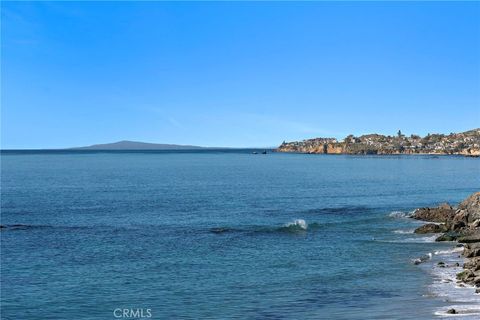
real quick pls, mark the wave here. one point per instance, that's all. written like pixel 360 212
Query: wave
pixel 404 231
pixel 421 239
pixel 462 311
pixel 399 214
pixel 423 258
pixel 444 267
pixel 339 210
pixel 5 227
pixel 426 239
pixel 66 228
pixel 450 251
pixel 296 226
pixel 224 230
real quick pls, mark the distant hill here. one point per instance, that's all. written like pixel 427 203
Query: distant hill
pixel 135 145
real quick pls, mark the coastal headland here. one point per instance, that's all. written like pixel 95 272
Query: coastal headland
pixel 465 143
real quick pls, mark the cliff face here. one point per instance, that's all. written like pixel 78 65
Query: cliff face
pixel 465 143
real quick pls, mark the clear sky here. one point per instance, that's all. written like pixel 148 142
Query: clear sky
pixel 235 74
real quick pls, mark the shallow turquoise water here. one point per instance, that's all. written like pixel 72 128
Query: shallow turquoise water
pixel 195 235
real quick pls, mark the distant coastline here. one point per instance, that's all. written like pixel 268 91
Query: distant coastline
pixel 136 145
pixel 127 145
pixel 465 143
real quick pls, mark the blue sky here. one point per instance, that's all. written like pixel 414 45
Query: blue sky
pixel 235 74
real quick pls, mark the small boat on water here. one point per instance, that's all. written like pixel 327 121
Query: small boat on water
pixel 254 152
pixel 264 152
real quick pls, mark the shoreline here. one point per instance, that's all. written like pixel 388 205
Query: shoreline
pixel 456 272
pixel 383 154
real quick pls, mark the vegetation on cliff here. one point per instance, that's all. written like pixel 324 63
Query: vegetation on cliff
pixel 464 143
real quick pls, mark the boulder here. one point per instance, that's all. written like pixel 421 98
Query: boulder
pixel 472 264
pixel 460 216
pixel 476 281
pixel 443 213
pixel 472 250
pixel 457 225
pixel 472 238
pixel 451 311
pixel 471 206
pixel 431 228
pixel 449 236
pixel 475 224
pixel 466 275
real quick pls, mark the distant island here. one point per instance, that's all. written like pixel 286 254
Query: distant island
pixel 465 143
pixel 135 145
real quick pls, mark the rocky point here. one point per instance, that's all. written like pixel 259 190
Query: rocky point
pixel 461 224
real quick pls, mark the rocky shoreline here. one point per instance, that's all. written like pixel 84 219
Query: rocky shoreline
pixel 460 224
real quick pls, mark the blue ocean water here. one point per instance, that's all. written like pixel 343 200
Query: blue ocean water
pixel 213 235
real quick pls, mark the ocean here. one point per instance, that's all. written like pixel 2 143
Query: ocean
pixel 225 234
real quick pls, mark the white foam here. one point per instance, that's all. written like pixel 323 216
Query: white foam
pixel 445 286
pixel 420 239
pixel 464 311
pixel 399 214
pixel 404 231
pixel 450 251
pixel 300 223
pixel 423 258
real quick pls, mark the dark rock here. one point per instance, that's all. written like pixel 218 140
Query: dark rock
pixel 456 226
pixel 422 259
pixel 431 228
pixel 449 236
pixel 470 238
pixel 451 311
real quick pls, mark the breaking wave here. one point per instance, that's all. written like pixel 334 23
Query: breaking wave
pixel 404 231
pixel 423 258
pixel 297 223
pixel 296 226
pixel 450 251
pixel 399 214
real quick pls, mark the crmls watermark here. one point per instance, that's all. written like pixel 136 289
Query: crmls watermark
pixel 132 313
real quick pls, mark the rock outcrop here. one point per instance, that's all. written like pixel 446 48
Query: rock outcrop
pixel 443 213
pixel 431 228
pixel 461 224
pixel 469 209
